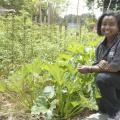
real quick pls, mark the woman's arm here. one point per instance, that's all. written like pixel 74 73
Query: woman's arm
pixel 102 66
pixel 89 69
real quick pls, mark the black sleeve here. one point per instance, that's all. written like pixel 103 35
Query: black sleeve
pixel 115 63
pixel 96 56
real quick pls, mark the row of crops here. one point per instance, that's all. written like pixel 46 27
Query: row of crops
pixel 38 68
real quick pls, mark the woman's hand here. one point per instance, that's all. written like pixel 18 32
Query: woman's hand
pixel 84 69
pixel 103 64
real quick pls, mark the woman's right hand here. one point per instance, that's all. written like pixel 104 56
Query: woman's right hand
pixel 84 69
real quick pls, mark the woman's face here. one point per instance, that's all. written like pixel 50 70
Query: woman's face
pixel 109 26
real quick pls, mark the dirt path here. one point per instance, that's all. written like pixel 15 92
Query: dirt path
pixel 9 111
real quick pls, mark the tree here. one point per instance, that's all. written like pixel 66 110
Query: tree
pixel 112 4
pixel 39 9
pixel 14 4
pixel 84 18
pixel 104 4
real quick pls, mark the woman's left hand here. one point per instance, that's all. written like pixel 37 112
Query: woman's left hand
pixel 103 63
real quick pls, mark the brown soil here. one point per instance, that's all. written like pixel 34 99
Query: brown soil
pixel 10 111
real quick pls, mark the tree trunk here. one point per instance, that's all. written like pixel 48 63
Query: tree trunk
pixel 40 14
pixel 50 14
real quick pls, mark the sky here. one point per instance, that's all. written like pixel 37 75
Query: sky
pixel 72 9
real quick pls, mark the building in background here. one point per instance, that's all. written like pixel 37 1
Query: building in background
pixel 5 10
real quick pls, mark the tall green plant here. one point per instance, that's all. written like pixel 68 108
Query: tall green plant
pixel 68 99
pixel 72 92
pixel 25 85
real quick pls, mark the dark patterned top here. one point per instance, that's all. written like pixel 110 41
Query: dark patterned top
pixel 111 54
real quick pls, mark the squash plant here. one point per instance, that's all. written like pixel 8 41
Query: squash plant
pixel 24 85
pixel 51 84
pixel 56 89
pixel 72 92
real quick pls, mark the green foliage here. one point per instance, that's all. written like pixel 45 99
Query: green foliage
pixel 22 41
pixel 34 7
pixel 51 84
pixel 84 19
pixel 90 3
pixel 71 92
pixel 25 85
pixel 56 90
pixel 114 5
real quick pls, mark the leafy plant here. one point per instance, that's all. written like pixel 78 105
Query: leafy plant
pixel 73 92
pixel 51 84
pixel 25 85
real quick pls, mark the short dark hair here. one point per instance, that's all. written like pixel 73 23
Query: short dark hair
pixel 116 15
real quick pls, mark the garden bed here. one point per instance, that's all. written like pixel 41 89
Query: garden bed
pixel 11 111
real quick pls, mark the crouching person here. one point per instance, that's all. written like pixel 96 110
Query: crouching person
pixel 107 65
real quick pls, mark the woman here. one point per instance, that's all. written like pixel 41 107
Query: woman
pixel 107 65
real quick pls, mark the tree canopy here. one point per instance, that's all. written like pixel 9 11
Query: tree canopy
pixel 104 4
